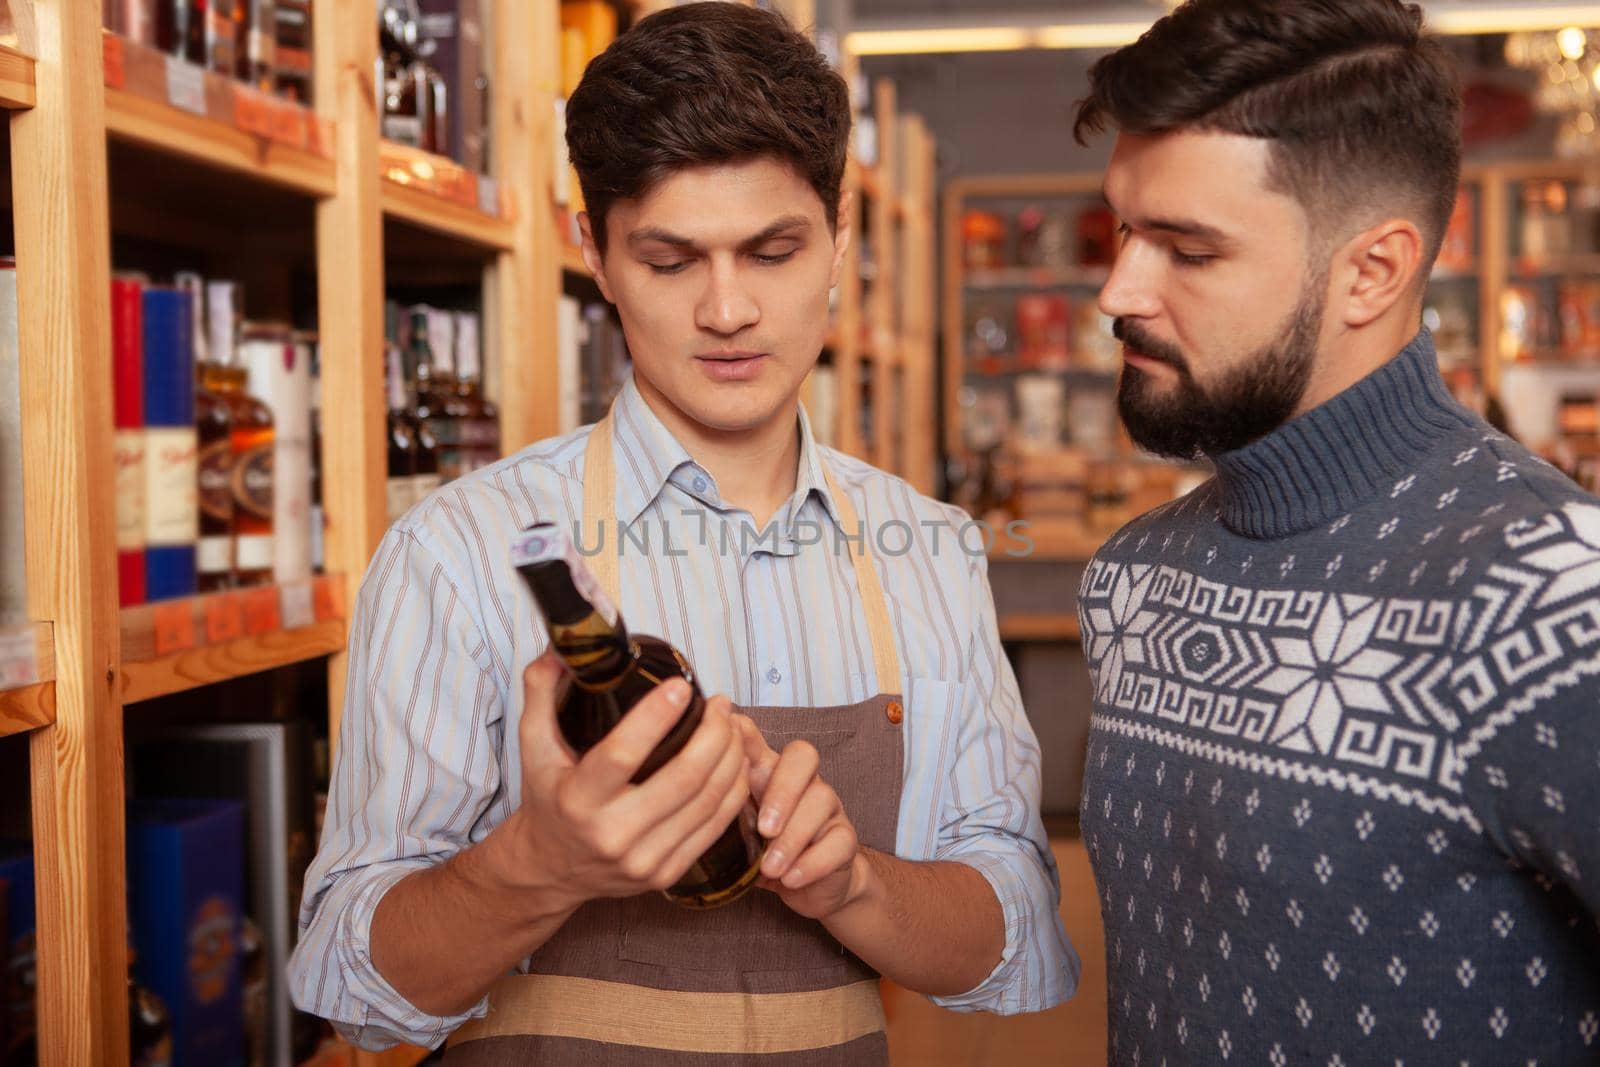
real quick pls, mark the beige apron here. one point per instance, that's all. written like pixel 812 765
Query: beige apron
pixel 642 981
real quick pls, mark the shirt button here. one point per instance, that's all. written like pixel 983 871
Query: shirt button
pixel 700 485
pixel 773 675
pixel 895 712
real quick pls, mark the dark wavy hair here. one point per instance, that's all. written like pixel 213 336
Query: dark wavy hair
pixel 1362 108
pixel 700 84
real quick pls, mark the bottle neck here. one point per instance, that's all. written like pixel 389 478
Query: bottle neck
pixel 591 641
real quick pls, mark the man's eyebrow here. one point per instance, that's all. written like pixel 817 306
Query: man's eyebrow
pixel 1180 227
pixel 788 224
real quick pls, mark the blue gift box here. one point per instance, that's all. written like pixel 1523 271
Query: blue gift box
pixel 185 899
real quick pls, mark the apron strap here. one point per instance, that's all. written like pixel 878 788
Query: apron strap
pixel 600 503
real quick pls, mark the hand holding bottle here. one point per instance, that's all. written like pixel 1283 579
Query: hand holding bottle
pixel 587 829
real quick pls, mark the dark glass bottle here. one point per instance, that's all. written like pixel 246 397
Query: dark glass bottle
pixel 610 671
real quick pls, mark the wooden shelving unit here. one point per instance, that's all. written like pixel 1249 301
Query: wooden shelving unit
pixel 88 110
pixel 79 91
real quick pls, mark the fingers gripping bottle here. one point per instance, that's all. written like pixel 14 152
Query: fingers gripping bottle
pixel 610 670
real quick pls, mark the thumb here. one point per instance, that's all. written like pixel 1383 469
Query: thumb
pixel 543 682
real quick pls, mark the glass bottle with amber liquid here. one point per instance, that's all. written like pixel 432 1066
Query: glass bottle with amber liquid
pixel 611 670
pixel 480 418
pixel 214 424
pixel 251 436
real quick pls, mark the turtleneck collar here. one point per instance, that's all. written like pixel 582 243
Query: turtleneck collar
pixel 1322 464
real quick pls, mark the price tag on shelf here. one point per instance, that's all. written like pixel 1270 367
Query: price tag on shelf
pixel 113 57
pixel 173 624
pixel 186 86
pixel 328 598
pixel 261 610
pixel 295 605
pixel 224 618
pixel 287 123
pixel 250 111
pixel 18 662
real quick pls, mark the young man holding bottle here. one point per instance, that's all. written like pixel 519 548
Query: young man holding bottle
pixel 478 878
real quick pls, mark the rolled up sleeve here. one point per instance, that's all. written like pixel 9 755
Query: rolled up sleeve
pixel 991 821
pixel 416 778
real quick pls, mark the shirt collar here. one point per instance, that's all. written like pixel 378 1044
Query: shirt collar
pixel 649 457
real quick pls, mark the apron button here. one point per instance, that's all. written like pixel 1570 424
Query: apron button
pixel 895 712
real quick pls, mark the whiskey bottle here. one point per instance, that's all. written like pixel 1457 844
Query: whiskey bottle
pixel 611 670
pixel 480 419
pixel 252 437
pixel 214 424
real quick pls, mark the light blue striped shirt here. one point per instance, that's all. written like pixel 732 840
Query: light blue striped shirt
pixel 427 759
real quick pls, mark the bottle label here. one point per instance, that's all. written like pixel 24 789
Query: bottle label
pixel 549 543
pixel 252 482
pixel 216 480
pixel 403 129
pixel 128 458
pixel 172 512
pixel 214 555
pixel 254 552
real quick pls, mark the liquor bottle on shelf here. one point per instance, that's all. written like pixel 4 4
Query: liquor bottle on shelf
pixel 251 436
pixel 401 104
pixel 219 23
pixel 292 50
pixel 149 1023
pixel 256 43
pixel 277 365
pixel 480 428
pixel 214 425
pixel 611 671
pixel 438 406
pixel 318 529
pixel 425 450
pixel 402 447
pixel 180 29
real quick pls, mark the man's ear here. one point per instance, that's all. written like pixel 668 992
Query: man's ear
pixel 843 234
pixel 1381 265
pixel 593 258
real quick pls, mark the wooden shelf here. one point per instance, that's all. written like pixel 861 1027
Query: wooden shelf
pixel 870 181
pixel 1038 278
pixel 224 125
pixel 16 80
pixel 1040 627
pixel 27 673
pixel 437 194
pixel 174 645
pixel 1464 272
pixel 1054 541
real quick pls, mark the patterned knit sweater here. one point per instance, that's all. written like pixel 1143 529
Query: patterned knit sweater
pixel 1343 786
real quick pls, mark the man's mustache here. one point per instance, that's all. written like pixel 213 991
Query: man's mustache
pixel 1135 338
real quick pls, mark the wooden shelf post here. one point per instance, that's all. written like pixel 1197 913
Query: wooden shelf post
pixel 60 207
pixel 522 287
pixel 350 301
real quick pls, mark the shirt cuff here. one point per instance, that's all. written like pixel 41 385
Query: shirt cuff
pixel 1038 968
pixel 386 1018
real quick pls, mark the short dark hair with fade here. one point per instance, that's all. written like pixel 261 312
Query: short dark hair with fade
pixel 1361 106
pixel 702 84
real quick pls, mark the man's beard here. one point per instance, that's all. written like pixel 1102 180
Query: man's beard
pixel 1249 401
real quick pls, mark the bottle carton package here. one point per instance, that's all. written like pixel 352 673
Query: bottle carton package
pixel 185 897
